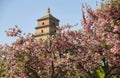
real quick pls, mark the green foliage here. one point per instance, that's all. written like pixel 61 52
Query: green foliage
pixel 99 74
pixel 31 73
pixel 2 70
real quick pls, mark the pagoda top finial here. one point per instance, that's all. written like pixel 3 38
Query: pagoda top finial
pixel 48 11
pixel 48 15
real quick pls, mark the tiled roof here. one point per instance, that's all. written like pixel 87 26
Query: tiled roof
pixel 48 16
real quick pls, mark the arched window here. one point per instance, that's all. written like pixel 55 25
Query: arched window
pixel 55 31
pixel 41 31
pixel 54 23
pixel 43 23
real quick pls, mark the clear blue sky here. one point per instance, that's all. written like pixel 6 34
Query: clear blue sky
pixel 25 13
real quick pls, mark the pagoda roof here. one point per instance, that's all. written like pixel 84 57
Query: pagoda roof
pixel 48 16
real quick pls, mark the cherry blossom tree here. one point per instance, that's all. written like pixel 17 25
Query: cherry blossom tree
pixel 92 52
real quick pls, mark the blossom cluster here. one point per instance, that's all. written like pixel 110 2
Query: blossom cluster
pixel 92 52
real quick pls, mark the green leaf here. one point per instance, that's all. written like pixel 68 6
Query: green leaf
pixel 100 74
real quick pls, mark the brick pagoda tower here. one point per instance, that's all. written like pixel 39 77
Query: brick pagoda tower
pixel 46 26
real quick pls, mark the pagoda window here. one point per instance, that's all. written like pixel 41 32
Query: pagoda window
pixel 55 31
pixel 41 31
pixel 43 23
pixel 54 23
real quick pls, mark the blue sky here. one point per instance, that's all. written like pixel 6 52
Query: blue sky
pixel 25 13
